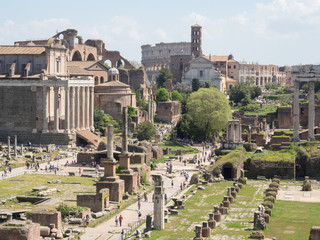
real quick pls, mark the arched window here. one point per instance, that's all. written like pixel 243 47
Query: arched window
pixel 96 80
pixel 101 79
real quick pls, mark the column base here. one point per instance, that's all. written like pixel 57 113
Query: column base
pixel 34 130
pixel 67 131
pixel 311 139
pixel 55 131
pixel 45 131
pixel 92 129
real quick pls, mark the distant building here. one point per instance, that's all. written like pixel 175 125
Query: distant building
pixel 260 75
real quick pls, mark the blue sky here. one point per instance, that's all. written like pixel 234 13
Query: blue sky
pixel 282 32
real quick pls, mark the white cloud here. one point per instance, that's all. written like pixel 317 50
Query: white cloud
pixel 124 25
pixel 162 34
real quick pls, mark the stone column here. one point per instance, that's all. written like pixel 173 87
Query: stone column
pixel 311 111
pixel 72 109
pixel 91 114
pixel 22 149
pixel 149 108
pixel 110 143
pixel 45 110
pixel 66 115
pixel 56 110
pixel 77 111
pixel 151 111
pixel 87 108
pixel 15 145
pixel 83 104
pixel 296 112
pixel 158 203
pixel 125 130
pixel 8 157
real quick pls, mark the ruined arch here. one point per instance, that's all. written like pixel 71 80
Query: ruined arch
pixel 76 56
pixel 227 171
pixel 108 63
pixel 91 57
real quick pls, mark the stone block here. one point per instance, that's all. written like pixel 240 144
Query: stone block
pixel 212 224
pixel 230 198
pixel 268 211
pixel 206 232
pixel 217 216
pixel 46 218
pixel 226 204
pixel 234 194
pixel 223 210
pixel 116 189
pixel 44 231
pixel 257 235
pixel 314 233
pixel 266 218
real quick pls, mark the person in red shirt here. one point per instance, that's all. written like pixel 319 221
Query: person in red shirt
pixel 120 220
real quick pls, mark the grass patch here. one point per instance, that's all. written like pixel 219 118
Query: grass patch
pixel 285 155
pixel 293 220
pixel 231 157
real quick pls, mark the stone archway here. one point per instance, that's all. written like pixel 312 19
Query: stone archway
pixel 91 57
pixel 76 56
pixel 227 171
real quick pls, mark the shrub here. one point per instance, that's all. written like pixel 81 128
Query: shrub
pixel 270 199
pixel 268 204
pixel 146 131
pixel 249 147
pixel 273 194
pixel 70 210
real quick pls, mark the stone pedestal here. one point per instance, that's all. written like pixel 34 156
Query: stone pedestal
pixel 206 231
pixel 223 210
pixel 234 194
pixel 198 231
pixel 115 186
pixel 124 161
pixel 130 181
pixel 230 198
pixel 217 216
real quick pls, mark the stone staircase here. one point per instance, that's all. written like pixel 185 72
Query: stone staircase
pixel 89 137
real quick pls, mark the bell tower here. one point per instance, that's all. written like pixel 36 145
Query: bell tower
pixel 196 39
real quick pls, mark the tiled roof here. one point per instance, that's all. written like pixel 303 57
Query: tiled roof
pixel 195 25
pixel 26 50
pixel 80 67
pixel 217 58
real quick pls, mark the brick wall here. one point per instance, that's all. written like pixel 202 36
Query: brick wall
pixel 46 218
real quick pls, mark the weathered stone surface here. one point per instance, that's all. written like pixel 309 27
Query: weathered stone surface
pixel 206 232
pixel 257 235
pixel 217 216
pixel 314 233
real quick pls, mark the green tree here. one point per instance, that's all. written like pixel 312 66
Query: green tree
pixel 162 95
pixel 131 111
pixel 255 91
pixel 101 120
pixel 195 84
pixel 146 131
pixel 119 63
pixel 207 84
pixel 140 101
pixel 176 96
pixel 209 109
pixel 182 88
pixel 164 75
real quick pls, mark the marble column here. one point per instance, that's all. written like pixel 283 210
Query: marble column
pixel 91 114
pixel 56 110
pixel 45 110
pixel 77 111
pixel 83 104
pixel 87 108
pixel 296 112
pixel 66 115
pixel 72 109
pixel 311 112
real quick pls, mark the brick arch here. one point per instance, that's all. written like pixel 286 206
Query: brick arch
pixel 76 56
pixel 114 56
pixel 91 57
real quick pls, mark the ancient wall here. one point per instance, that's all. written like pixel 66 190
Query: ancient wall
pixel 285 117
pixel 17 109
pixel 22 231
pixel 168 111
pixel 130 182
pixel 97 202
pixel 46 218
pixel 269 169
pixel 178 65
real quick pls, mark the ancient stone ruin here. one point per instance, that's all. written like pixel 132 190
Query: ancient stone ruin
pixel 158 222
